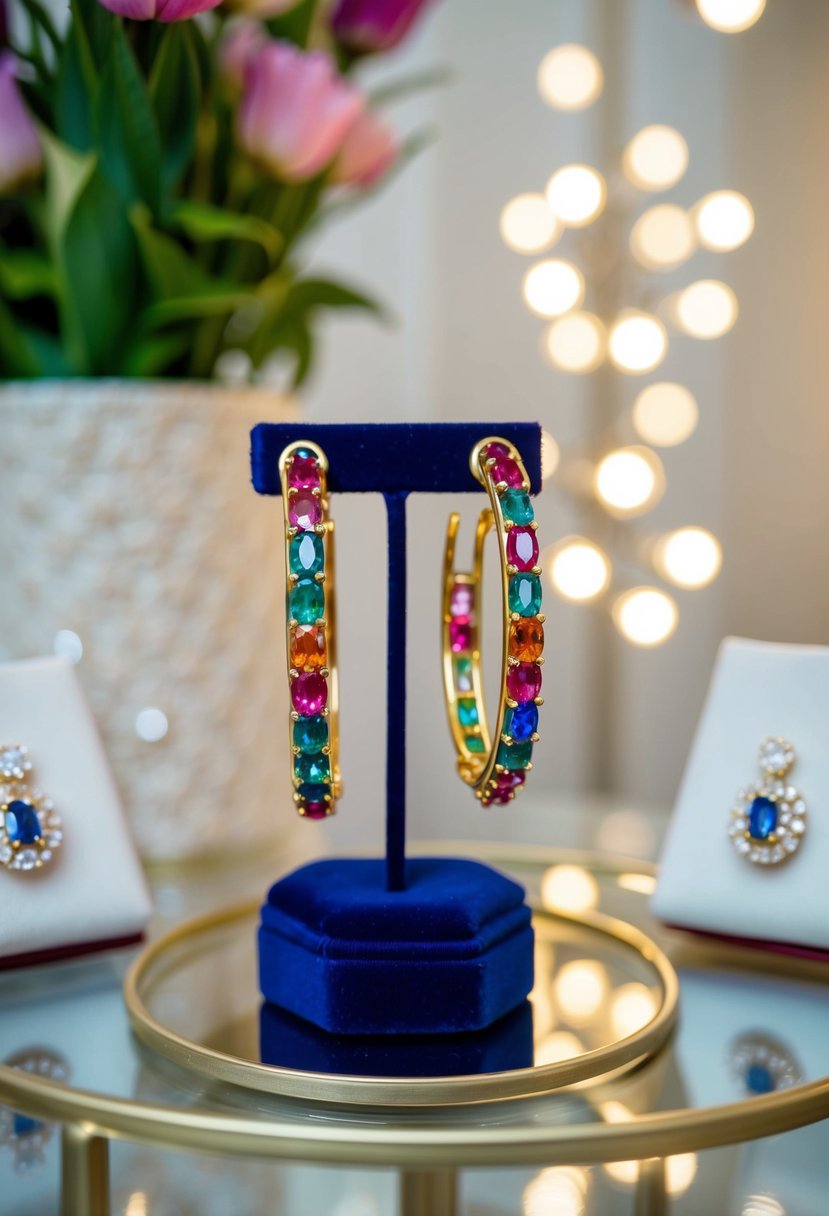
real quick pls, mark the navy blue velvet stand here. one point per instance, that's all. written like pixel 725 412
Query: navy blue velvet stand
pixel 382 947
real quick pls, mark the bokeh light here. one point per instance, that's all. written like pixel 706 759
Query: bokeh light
pixel 576 342
pixel 570 77
pixel 580 989
pixel 680 1172
pixel 68 645
pixel 151 724
pixel 557 1191
pixel 528 225
pixel 656 158
pixel 638 342
pixel 550 456
pixel 730 16
pixel 558 1046
pixel 663 237
pixel 689 557
pixel 578 569
pixel 553 287
pixel 665 414
pixel 570 888
pixel 724 220
pixel 706 309
pixel 628 481
pixel 763 1205
pixel 576 195
pixel 632 1006
pixel 645 616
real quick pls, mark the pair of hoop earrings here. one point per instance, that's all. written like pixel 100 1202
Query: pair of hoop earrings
pixel 493 763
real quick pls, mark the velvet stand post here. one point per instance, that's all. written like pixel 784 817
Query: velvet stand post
pixel 373 947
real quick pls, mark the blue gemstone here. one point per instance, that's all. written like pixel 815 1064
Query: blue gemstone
pixel 759 1079
pixel 762 818
pixel 313 792
pixel 468 711
pixel 22 823
pixel 24 1126
pixel 522 722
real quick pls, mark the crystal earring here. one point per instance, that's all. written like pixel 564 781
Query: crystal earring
pixel 768 819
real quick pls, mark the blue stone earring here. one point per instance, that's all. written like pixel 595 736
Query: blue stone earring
pixel 768 820
pixel 30 828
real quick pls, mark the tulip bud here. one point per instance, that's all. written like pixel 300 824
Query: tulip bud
pixel 369 151
pixel 295 112
pixel 21 156
pixel 159 10
pixel 363 26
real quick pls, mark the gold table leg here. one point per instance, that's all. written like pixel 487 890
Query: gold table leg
pixel 428 1193
pixel 84 1173
pixel 651 1198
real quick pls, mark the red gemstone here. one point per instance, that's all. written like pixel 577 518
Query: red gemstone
pixel 460 635
pixel 505 469
pixel 303 473
pixel 309 693
pixel 460 603
pixel 505 784
pixel 315 810
pixel 305 511
pixel 524 682
pixel 522 548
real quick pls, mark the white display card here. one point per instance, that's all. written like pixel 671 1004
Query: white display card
pixel 93 890
pixel 758 689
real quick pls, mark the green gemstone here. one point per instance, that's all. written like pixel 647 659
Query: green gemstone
pixel 463 674
pixel 475 743
pixel 311 734
pixel 306 601
pixel 468 712
pixel 313 769
pixel 517 507
pixel 525 594
pixel 307 554
pixel 514 755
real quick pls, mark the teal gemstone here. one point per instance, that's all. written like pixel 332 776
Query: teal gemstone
pixel 514 756
pixel 516 506
pixel 525 594
pixel 314 792
pixel 311 734
pixel 468 712
pixel 463 675
pixel 475 743
pixel 306 601
pixel 312 769
pixel 307 555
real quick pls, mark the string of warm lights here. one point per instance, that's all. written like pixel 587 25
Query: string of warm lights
pixel 626 482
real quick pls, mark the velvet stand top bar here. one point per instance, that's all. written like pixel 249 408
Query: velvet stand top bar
pixel 393 457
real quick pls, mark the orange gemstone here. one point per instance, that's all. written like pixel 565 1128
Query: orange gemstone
pixel 526 639
pixel 308 648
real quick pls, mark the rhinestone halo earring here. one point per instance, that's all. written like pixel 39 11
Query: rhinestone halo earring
pixel 768 820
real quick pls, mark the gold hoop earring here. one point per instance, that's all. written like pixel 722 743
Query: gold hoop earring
pixel 311 630
pixel 495 764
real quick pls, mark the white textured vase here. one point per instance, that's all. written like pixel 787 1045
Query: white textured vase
pixel 128 520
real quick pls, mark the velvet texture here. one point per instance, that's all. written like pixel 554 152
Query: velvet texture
pixel 290 1042
pixel 380 458
pixel 451 953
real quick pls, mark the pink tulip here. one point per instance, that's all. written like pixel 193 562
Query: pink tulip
pixel 240 42
pixel 159 10
pixel 21 156
pixel 374 25
pixel 296 111
pixel 369 151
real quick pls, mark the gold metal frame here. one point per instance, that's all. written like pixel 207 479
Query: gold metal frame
pixel 392 1091
pixel 328 623
pixel 91 1116
pixel 478 769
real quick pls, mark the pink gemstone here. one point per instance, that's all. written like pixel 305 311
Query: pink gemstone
pixel 460 635
pixel 505 783
pixel 460 603
pixel 508 471
pixel 494 450
pixel 315 810
pixel 524 682
pixel 309 693
pixel 303 473
pixel 305 511
pixel 522 548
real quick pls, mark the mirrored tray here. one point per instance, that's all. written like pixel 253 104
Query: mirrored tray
pixel 587 964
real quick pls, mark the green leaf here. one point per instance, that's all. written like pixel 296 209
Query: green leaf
pixel 127 131
pixel 153 355
pixel 204 222
pixel 320 293
pixel 76 86
pixel 408 86
pixel 25 273
pixel 97 272
pixel 17 359
pixel 41 21
pixel 67 174
pixel 175 89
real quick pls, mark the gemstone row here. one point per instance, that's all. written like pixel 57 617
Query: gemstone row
pixel 304 487
pixel 526 627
